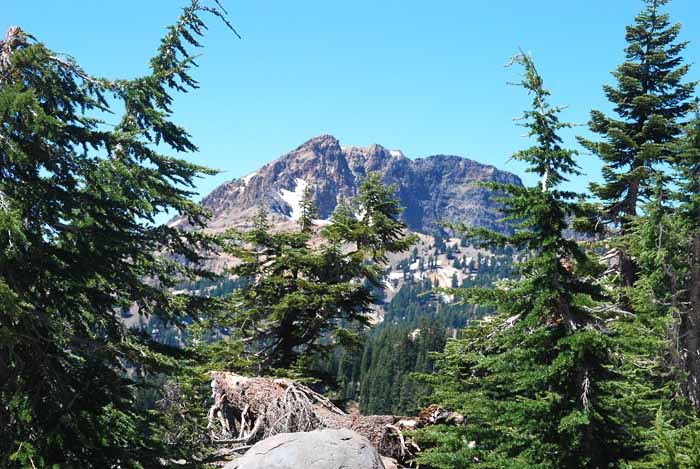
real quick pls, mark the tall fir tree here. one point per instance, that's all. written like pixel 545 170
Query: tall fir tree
pixel 666 243
pixel 649 98
pixel 372 222
pixel 304 297
pixel 535 381
pixel 309 211
pixel 686 163
pixel 79 245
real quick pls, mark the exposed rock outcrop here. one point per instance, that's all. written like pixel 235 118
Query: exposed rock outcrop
pixel 433 189
pixel 319 449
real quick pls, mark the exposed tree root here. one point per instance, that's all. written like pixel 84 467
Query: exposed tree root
pixel 247 410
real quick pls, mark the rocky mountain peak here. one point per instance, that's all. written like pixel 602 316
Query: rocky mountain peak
pixel 432 189
pixel 320 145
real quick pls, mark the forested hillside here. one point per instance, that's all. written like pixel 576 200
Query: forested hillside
pixel 411 323
pixel 435 312
pixel 415 323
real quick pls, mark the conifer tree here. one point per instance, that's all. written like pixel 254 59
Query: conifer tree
pixel 303 298
pixel 672 447
pixel 372 222
pixel 309 211
pixel 535 381
pixel 79 244
pixel 666 242
pixel 649 98
pixel 686 163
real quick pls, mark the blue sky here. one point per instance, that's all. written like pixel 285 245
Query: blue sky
pixel 423 77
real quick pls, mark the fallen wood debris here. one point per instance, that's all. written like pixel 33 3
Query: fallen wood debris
pixel 247 410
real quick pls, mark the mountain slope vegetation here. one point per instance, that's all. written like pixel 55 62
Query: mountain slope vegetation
pixel 553 329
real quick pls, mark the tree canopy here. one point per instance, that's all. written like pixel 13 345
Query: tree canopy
pixel 79 245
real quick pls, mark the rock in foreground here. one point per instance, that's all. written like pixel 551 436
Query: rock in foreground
pixel 319 449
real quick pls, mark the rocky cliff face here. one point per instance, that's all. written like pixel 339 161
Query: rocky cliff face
pixel 433 189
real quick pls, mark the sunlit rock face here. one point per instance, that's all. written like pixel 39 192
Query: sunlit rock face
pixel 433 189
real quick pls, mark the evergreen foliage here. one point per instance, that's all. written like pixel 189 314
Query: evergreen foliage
pixel 665 241
pixel 535 382
pixel 394 353
pixel 78 243
pixel 672 447
pixel 686 234
pixel 415 324
pixel 309 211
pixel 303 298
pixel 650 97
pixel 556 361
pixel 371 223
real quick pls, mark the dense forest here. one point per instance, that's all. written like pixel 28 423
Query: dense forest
pixel 574 344
pixel 416 323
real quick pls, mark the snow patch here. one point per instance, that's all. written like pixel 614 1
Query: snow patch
pixel 396 153
pixel 396 275
pixel 293 198
pixel 177 223
pixel 360 215
pixel 246 179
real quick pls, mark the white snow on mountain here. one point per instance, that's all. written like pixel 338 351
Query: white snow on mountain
pixel 177 222
pixel 396 275
pixel 246 179
pixel 293 198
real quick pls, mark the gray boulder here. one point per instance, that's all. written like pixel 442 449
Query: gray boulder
pixel 320 449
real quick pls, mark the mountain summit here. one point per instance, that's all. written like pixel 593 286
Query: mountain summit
pixel 433 189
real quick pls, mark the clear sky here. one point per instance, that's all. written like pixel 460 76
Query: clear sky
pixel 423 77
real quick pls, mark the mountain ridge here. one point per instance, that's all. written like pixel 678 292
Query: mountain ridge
pixel 431 189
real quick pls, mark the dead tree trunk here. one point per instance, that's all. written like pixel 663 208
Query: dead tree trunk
pixel 692 333
pixel 14 39
pixel 247 410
